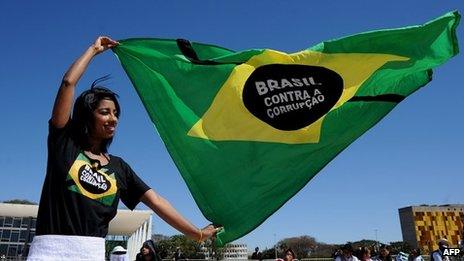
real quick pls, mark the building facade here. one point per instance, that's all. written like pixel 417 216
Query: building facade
pixel 235 252
pixel 16 235
pixel 17 229
pixel 422 226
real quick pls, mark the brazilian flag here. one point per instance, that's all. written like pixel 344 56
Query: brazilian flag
pixel 247 130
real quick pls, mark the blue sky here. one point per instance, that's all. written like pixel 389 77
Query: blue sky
pixel 413 156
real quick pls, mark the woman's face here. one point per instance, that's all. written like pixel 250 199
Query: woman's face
pixel 366 255
pixel 288 256
pixel 384 252
pixel 145 251
pixel 105 120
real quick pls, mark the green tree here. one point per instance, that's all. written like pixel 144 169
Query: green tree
pixel 364 243
pixel 324 250
pixel 303 246
pixel 268 253
pixel 189 248
pixel 399 246
pixel 165 248
pixel 216 253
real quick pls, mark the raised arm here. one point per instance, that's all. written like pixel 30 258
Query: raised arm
pixel 167 212
pixel 64 98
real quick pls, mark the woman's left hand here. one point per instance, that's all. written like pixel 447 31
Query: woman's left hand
pixel 208 231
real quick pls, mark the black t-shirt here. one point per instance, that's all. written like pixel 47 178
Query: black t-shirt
pixel 79 198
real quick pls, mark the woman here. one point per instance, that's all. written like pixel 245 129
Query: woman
pixel 289 255
pixel 84 182
pixel 147 252
pixel 346 254
pixel 365 254
pixel 415 255
pixel 384 254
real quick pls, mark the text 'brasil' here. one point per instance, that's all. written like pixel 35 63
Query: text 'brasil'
pixel 289 96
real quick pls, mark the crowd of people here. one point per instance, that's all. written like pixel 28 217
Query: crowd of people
pixel 364 253
pixel 147 253
pixel 375 253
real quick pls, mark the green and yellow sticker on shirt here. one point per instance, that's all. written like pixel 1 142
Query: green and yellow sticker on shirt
pixel 90 182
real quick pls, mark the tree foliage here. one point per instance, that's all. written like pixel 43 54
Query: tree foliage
pixel 20 201
pixel 190 248
pixel 268 253
pixel 303 246
pixel 399 246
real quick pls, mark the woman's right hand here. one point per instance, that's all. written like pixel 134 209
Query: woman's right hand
pixel 103 43
pixel 65 97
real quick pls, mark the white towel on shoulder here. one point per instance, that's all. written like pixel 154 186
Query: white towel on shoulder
pixel 61 247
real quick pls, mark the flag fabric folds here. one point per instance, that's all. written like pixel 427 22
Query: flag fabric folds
pixel 247 130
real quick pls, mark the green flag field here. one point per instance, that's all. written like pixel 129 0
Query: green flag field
pixel 247 130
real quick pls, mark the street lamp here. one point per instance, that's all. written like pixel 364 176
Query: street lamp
pixel 275 246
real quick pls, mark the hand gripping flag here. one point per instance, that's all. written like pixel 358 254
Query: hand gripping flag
pixel 247 130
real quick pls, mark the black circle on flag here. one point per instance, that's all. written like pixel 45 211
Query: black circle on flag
pixel 291 96
pixel 93 181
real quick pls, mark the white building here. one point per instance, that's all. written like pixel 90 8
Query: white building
pixel 235 251
pixel 17 228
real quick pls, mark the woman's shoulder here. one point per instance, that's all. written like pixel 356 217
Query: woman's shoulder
pixel 115 158
pixel 119 161
pixel 116 161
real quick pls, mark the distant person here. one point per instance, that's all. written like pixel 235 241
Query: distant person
pixel 437 255
pixel 336 253
pixel 415 255
pixel 119 254
pixel 384 254
pixel 84 182
pixel 148 252
pixel 289 255
pixel 401 256
pixel 256 255
pixel 365 254
pixel 178 254
pixel 461 247
pixel 346 254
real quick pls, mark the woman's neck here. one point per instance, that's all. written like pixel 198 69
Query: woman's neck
pixel 95 146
